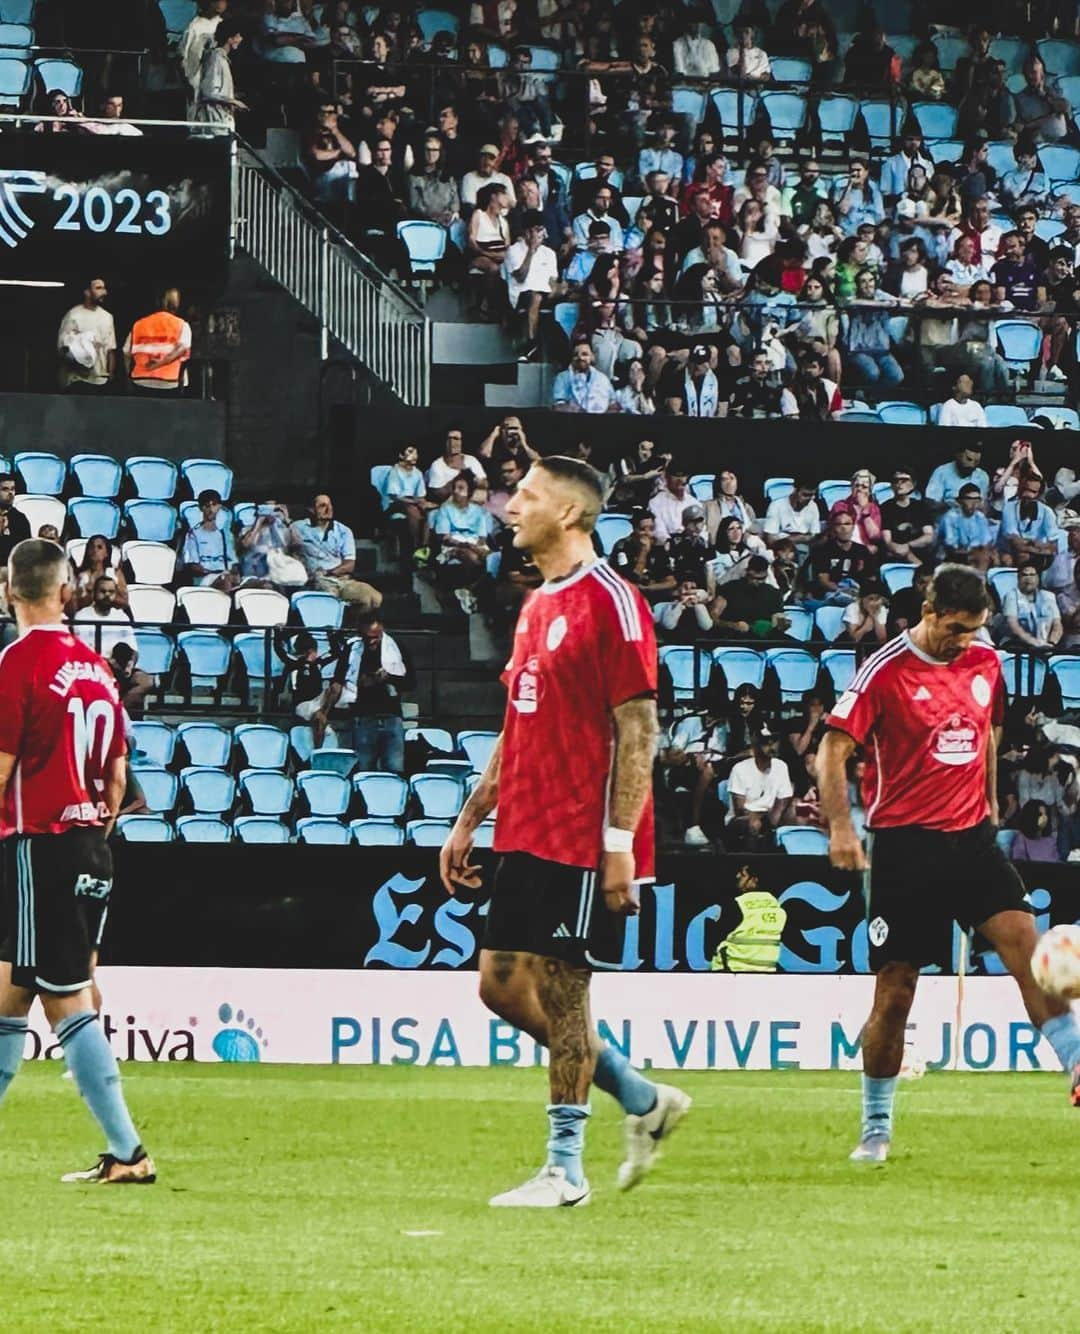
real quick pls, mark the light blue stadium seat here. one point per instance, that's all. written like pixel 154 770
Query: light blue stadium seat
pixel 92 516
pixel 425 241
pixel 18 11
pixel 802 623
pixel 840 664
pixel 741 666
pixel 1012 52
pixel 1049 229
pixel 937 120
pixel 567 314
pixel 1005 838
pixel 1002 579
pixel 438 738
pixel 688 102
pixel 796 670
pixel 207 654
pixel 325 793
pixel 1005 414
pixel 323 830
pixel 882 492
pixel 317 609
pixel 902 414
pixel 679 661
pixel 802 840
pixel 897 574
pixel 497 59
pixel 43 474
pixel 245 512
pixel 267 791
pixel 211 791
pixel 260 829
pixel 1058 56
pixel 335 760
pixel 384 795
pixel 786 113
pixel 544 59
pixel 152 520
pixel 777 488
pixel 153 478
pixel 836 116
pixel 144 829
pixel 883 121
pixel 484 835
pixel 177 15
pixel 829 621
pixel 1018 342
pixel 1064 419
pixel 1070 88
pixel 612 528
pixel 159 788
pixel 14 82
pixel 478 748
pixel 702 485
pixel 433 21
pixel 97 475
pixel 427 833
pixel 1066 670
pixel 440 796
pixel 64 75
pixel 791 69
pixel 857 417
pixel 370 833
pixel 156 651
pixel 726 102
pixel 207 475
pixel 156 741
pixel 251 648
pixel 1000 156
pixel 1024 675
pixel 263 746
pixel 203 829
pixel 207 744
pixel 833 489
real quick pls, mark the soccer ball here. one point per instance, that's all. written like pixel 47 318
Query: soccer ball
pixel 1055 964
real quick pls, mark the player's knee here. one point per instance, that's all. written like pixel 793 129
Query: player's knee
pixel 896 992
pixel 499 995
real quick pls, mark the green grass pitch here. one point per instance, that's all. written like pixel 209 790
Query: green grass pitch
pixel 313 1198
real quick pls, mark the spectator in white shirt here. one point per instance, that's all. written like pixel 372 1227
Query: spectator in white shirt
pixel 198 33
pixel 795 516
pixel 112 118
pixel 86 342
pixel 485 174
pixel 531 269
pixel 1031 615
pixel 581 387
pixel 669 502
pixel 450 463
pixel 760 789
pixel 694 54
pixel 745 61
pixel 961 409
pixel 104 611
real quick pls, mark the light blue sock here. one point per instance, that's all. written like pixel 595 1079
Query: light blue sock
pixel 1063 1034
pixel 631 1090
pixel 12 1041
pixel 94 1069
pixel 566 1143
pixel 877 1104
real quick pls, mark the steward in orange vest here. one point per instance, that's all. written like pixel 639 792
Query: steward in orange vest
pixel 158 346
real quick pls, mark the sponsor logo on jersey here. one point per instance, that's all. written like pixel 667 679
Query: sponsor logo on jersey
pixel 84 810
pixel 556 633
pixel 980 691
pixel 956 741
pixel 527 688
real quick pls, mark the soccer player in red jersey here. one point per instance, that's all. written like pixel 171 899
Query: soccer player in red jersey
pixel 62 778
pixel 572 778
pixel 928 708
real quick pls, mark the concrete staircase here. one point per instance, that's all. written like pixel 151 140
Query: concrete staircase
pixel 477 364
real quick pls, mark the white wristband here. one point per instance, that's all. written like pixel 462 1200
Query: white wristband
pixel 618 840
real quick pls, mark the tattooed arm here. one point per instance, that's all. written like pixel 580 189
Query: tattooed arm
pixel 454 867
pixel 635 745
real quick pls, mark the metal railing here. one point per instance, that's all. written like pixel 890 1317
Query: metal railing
pixel 355 303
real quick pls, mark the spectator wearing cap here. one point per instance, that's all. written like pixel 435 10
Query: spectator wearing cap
pixel 209 553
pixel 581 387
pixel 532 276
pixel 599 211
pixel 691 550
pixel 485 174
pixel 895 169
pixel 662 155
pixel 750 607
pixel 669 502
pixel 760 791
pixel 961 409
pixel 642 559
pixel 693 390
pixel 964 533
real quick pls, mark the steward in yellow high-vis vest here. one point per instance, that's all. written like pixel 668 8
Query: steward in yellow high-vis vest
pixel 158 346
pixel 754 945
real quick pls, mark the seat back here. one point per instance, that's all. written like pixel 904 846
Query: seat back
pixel 829 621
pixel 840 664
pixel 778 488
pixel 262 745
pixel 317 609
pixel 262 606
pixel 151 602
pixel 41 472
pixel 425 241
pixel 795 669
pixel 14 81
pixel 836 114
pixel 210 791
pixel 321 829
pixel 902 414
pixel 159 788
pixel 1002 579
pixel 153 478
pixel 335 760
pixel 612 528
pixel 786 111
pixel 427 833
pixel 157 741
pixel 203 829
pixel 384 795
pixel 260 829
pixel 440 796
pixel 567 314
pixel 727 103
pixel 802 623
pixel 791 69
pixel 144 829
pixel 207 654
pixel 64 75
pixel 205 606
pixel 207 744
pixel 369 833
pixel 703 485
pixel 151 562
pixel 156 651
pixel 833 489
pixel 92 515
pixel 802 841
pixel 433 21
pixel 40 510
pixel 896 575
pixel 267 791
pixel 1066 671
pixel 478 748
pixel 741 666
pixel 152 520
pixel 325 793
pixel 207 475
pixel 97 475
pixel 1005 414
pixel 1018 342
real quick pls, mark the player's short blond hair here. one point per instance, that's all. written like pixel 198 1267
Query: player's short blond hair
pixel 585 480
pixel 37 569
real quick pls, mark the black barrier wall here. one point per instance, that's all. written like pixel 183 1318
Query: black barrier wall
pixel 317 907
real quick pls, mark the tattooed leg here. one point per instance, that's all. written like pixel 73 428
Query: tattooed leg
pixel 508 989
pixel 563 993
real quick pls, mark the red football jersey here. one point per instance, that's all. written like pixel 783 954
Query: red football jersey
pixel 582 647
pixel 925 725
pixel 61 718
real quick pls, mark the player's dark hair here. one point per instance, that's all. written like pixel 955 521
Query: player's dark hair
pixel 582 475
pixel 958 588
pixel 36 569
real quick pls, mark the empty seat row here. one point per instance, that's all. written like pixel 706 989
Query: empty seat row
pixel 312 829
pixel 262 607
pixel 100 476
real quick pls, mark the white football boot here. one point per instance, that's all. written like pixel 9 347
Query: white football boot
pixel 645 1134
pixel 549 1189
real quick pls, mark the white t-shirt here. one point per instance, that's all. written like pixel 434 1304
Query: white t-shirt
pixel 109 638
pixel 962 414
pixel 88 334
pixel 762 789
pixel 853 615
pixel 781 518
pixel 543 271
pixel 472 181
pixel 441 474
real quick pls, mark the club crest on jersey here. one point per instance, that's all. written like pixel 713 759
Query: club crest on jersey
pixel 556 633
pixel 956 741
pixel 878 931
pixel 527 688
pixel 980 691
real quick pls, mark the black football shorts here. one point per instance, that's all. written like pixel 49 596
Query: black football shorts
pixel 557 911
pixel 55 893
pixel 923 880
